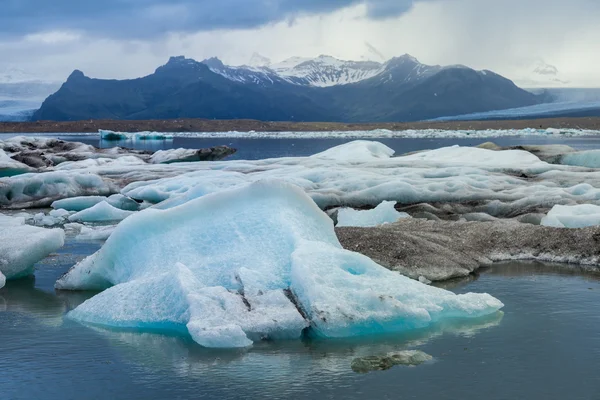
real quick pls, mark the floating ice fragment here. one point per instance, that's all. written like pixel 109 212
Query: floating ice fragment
pixel 21 246
pixel 258 262
pixel 101 212
pixel 116 136
pixel 384 213
pixel 356 151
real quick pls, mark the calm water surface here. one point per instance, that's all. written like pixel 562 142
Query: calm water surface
pixel 253 149
pixel 545 345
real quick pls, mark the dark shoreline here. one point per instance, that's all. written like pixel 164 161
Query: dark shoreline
pixel 203 125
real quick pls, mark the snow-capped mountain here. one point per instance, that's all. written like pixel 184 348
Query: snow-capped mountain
pixel 319 89
pixel 326 71
pixel 329 71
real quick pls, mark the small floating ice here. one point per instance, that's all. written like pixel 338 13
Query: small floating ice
pixel 258 262
pixel 116 136
pixel 101 212
pixel 579 216
pixel 384 213
pixel 21 246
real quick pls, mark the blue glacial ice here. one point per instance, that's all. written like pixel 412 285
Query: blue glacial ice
pixel 101 212
pixel 10 167
pixel 578 216
pixel 21 246
pixel 384 213
pixel 118 136
pixel 260 261
pixel 588 159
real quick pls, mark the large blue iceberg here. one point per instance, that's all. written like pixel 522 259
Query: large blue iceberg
pixel 256 262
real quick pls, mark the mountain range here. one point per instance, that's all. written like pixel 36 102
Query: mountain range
pixel 298 89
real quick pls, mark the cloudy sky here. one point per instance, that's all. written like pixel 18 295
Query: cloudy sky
pixel 130 38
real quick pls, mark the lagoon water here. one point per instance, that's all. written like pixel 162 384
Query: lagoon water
pixel 545 343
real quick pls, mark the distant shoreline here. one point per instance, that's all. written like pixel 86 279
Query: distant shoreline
pixel 203 125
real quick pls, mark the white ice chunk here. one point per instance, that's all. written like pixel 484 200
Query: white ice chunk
pixel 357 151
pixel 474 156
pixel 225 268
pixel 578 216
pixel 101 212
pixel 2 280
pixel 384 213
pixel 95 232
pixel 53 218
pixel 21 246
pixel 78 203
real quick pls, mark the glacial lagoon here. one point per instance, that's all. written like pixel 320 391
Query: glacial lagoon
pixel 543 344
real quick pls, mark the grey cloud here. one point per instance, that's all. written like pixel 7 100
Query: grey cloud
pixel 148 18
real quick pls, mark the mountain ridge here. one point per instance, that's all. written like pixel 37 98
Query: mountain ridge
pixel 320 89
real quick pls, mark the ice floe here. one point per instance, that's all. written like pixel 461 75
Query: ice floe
pixel 384 213
pixel 505 183
pixel 361 134
pixel 256 262
pixel 578 216
pixel 89 232
pixel 21 246
pixel 118 136
pixel 191 155
pixel 101 212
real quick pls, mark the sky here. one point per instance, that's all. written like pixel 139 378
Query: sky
pixel 130 38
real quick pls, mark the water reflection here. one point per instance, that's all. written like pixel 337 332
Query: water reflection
pixel 21 296
pixel 281 358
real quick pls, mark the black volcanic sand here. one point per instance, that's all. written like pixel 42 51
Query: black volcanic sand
pixel 204 125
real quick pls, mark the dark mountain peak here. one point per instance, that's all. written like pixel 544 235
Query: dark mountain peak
pixel 402 60
pixel 75 75
pixel 182 67
pixel 177 60
pixel 214 63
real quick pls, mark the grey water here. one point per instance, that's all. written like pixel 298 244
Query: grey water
pixel 255 149
pixel 545 344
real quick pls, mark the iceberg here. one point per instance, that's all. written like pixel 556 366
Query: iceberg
pixel 87 232
pixel 79 203
pixel 101 212
pixel 39 190
pixel 384 213
pixel 356 151
pixel 146 135
pixel 191 155
pixel 21 246
pixel 256 262
pixel 579 216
